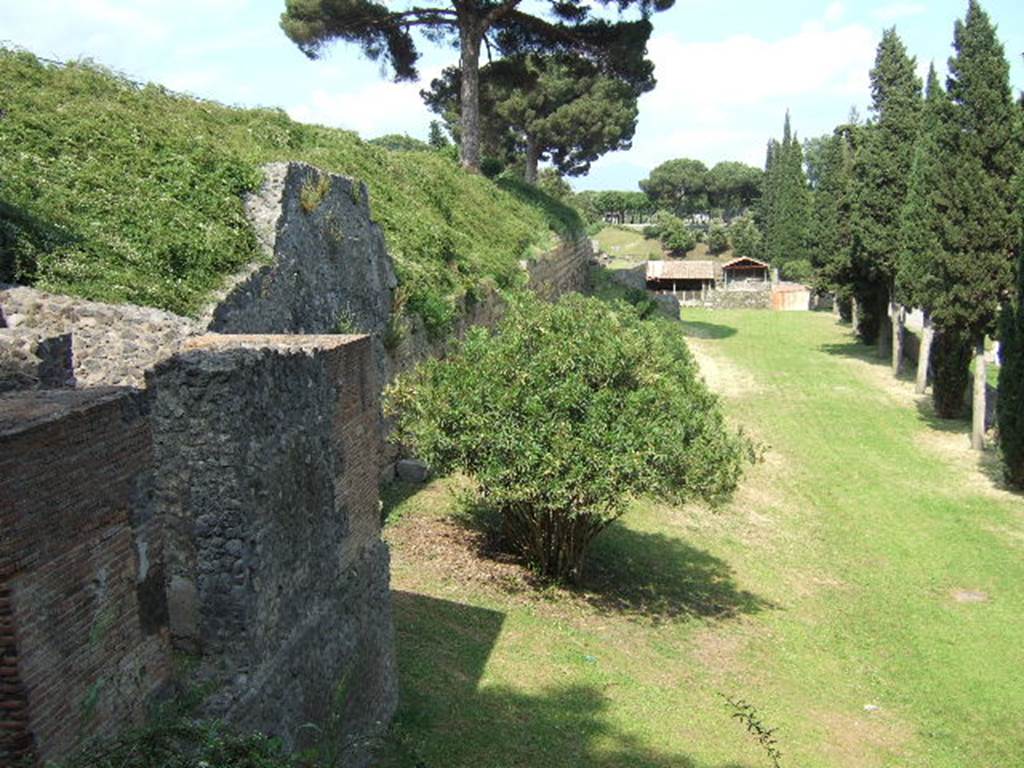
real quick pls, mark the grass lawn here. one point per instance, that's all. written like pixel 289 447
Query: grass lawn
pixel 865 591
pixel 628 245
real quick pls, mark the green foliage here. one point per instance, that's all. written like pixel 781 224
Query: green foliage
pixel 510 28
pixel 548 107
pixel 437 139
pixel 918 283
pixel 979 151
pixel 562 416
pixel 717 237
pixel 949 366
pixel 400 142
pixel 178 740
pixel 881 172
pixel 745 237
pixel 1010 406
pixel 554 185
pixel 733 187
pixel 785 208
pixel 830 214
pixel 674 233
pixel 630 207
pixel 558 215
pixel 119 193
pixel 798 271
pixel 679 186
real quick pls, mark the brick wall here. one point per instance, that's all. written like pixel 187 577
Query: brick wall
pixel 229 510
pixel 83 643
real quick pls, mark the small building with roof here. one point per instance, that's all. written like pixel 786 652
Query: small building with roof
pixel 681 276
pixel 744 271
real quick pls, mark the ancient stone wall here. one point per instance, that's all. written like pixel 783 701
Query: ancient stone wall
pixel 111 345
pixel 229 511
pixel 84 640
pixel 277 575
pixel 33 359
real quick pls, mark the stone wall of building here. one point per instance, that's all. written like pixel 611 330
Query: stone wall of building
pixel 111 344
pixel 229 511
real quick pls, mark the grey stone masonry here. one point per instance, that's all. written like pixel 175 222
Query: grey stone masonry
pixel 326 267
pixel 269 453
pixel 111 344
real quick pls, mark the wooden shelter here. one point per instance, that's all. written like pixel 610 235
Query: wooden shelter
pixel 680 276
pixel 745 270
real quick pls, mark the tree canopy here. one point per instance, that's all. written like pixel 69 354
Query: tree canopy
pixel 881 171
pixel 678 185
pixel 508 27
pixel 785 202
pixel 559 108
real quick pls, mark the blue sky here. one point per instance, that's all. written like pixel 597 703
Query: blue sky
pixel 727 71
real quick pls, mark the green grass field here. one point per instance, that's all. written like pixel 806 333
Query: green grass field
pixel 864 591
pixel 628 246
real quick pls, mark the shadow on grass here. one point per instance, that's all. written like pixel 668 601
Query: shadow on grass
pixel 659 578
pixel 698 330
pixel 447 718
pixel 645 576
pixel 393 494
pixel 987 461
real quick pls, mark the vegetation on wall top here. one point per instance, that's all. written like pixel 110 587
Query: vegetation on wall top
pixel 126 193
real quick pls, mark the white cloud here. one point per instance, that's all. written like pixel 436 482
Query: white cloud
pixel 835 11
pixel 371 110
pixel 899 11
pixel 721 77
pixel 722 100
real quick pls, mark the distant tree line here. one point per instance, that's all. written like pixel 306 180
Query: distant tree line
pixel 920 206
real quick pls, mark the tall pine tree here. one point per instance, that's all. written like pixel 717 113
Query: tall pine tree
pixel 981 152
pixel 881 172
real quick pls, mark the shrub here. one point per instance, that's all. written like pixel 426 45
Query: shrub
pixel 675 235
pixel 562 416
pixel 717 237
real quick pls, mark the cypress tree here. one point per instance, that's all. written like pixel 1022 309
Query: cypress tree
pixel 981 151
pixel 950 361
pixel 788 206
pixel 916 281
pixel 830 230
pixel 882 170
pixel 1010 407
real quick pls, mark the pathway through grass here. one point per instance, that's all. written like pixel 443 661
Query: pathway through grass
pixel 865 590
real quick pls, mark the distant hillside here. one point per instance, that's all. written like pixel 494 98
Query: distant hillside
pixel 123 193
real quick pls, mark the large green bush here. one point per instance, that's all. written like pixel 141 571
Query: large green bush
pixel 674 233
pixel 117 192
pixel 563 415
